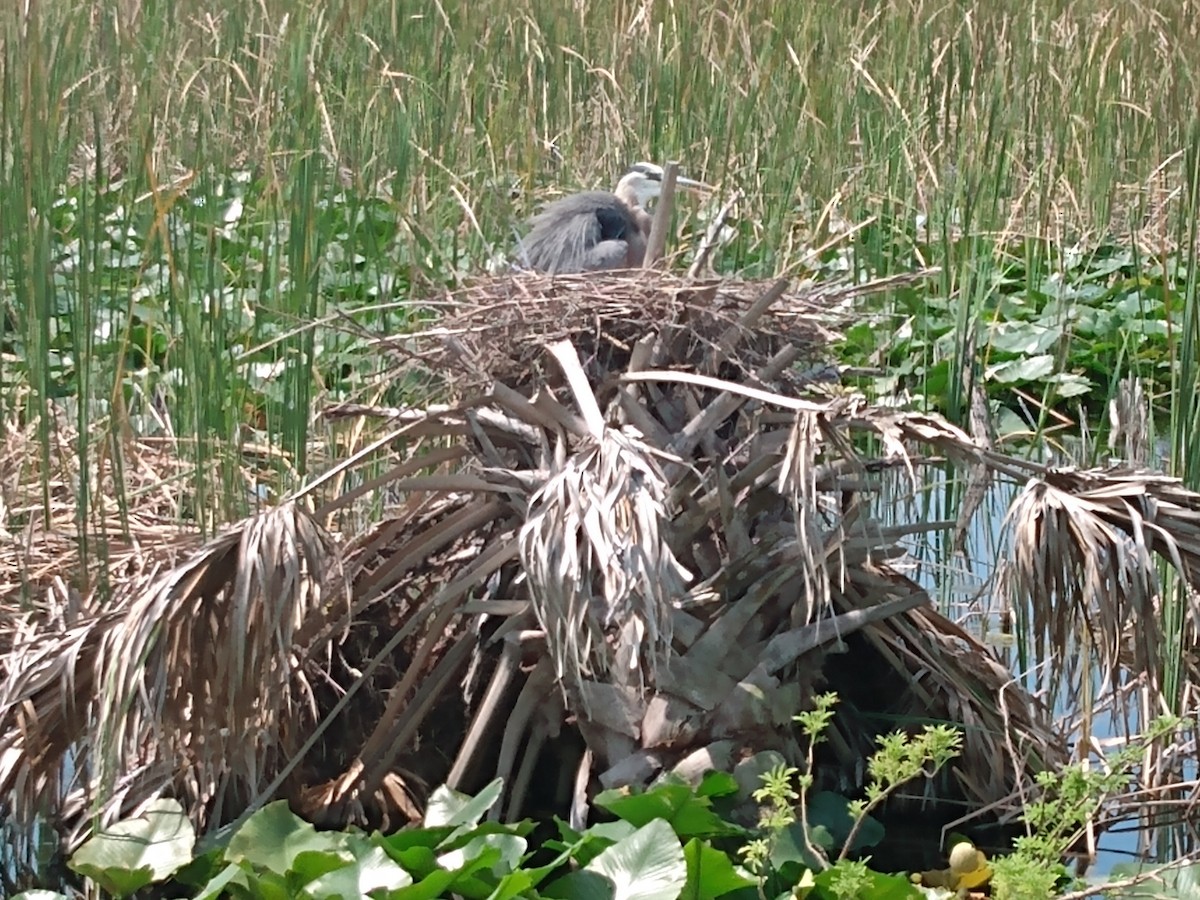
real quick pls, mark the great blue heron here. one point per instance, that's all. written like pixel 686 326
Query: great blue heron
pixel 596 230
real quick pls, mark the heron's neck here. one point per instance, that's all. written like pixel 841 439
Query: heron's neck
pixel 627 195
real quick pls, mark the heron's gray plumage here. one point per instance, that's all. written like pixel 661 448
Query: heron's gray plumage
pixel 596 229
pixel 584 232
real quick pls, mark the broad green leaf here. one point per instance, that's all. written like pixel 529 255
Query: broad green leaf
pixel 449 807
pixel 509 846
pixel 231 874
pixel 1024 338
pixel 512 885
pixel 584 846
pixel 881 887
pixel 647 865
pixel 789 846
pixel 312 864
pixel 610 831
pixel 1029 368
pixel 418 837
pixel 201 869
pixel 417 861
pixel 138 851
pixel 716 784
pixel 689 815
pixel 458 837
pixel 710 873
pixel 1068 385
pixel 274 837
pixel 372 870
pixel 267 885
pixel 430 887
pixel 581 885
pixel 462 881
pixel 830 810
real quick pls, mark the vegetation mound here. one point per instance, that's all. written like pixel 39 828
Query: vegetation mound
pixel 619 541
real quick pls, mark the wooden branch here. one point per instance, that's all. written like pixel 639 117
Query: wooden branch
pixel 734 333
pixel 662 217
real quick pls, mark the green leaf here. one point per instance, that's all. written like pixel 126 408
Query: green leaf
pixel 1024 338
pixel 231 874
pixel 273 838
pixel 418 837
pixel 372 870
pixel 689 815
pixel 458 837
pixel 138 851
pixel 647 865
pixel 1067 385
pixel 433 885
pixel 1029 368
pixel 789 846
pixel 313 864
pixel 879 886
pixel 510 847
pixel 462 881
pixel 710 873
pixel 831 810
pixel 717 784
pixel 512 885
pixel 591 843
pixel 449 807
pixel 417 861
pixel 201 869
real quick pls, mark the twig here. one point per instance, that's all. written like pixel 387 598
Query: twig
pixel 1153 875
pixel 713 234
pixel 730 337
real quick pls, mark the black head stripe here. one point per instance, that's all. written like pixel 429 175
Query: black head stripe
pixel 652 174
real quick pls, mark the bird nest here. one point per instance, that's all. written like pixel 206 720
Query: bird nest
pixel 496 328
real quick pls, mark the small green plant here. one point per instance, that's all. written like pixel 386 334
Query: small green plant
pixel 786 798
pixel 900 758
pixel 1069 800
pixel 776 814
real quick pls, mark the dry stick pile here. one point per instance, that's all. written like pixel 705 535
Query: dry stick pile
pixel 687 540
pixel 643 537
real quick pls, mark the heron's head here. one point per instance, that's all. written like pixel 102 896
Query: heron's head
pixel 643 183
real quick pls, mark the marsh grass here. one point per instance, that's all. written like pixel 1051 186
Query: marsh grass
pixel 442 128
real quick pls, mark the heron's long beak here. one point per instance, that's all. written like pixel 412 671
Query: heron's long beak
pixel 691 184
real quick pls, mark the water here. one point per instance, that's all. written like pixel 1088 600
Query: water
pixel 964 587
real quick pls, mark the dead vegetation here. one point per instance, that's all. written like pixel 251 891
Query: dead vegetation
pixel 629 533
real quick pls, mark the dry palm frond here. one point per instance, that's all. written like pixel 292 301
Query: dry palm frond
pixel 191 678
pixel 598 562
pixel 1083 561
pixel 204 663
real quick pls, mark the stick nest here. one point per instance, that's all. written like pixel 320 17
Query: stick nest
pixel 496 329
